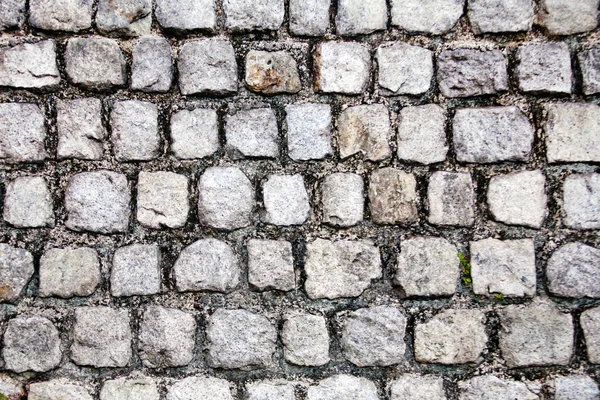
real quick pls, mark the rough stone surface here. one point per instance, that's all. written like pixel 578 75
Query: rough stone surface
pixel 269 391
pixel 186 15
pixel 343 199
pixel 286 200
pixel 309 17
pixel 272 72
pixel 451 199
pixel 61 15
pixel 22 133
pixel 343 387
pixel 252 133
pixel 581 201
pixel 573 271
pixel 393 197
pixel 364 129
pixel 305 339
pixel 490 387
pixel 417 387
pixel 162 199
pixel 136 270
pixel 95 63
pixel 16 269
pixel 575 387
pixel 194 133
pixel 130 389
pixel 135 130
pixel 589 64
pixel 201 388
pixel 69 272
pixel 590 323
pixel 12 388
pixel 422 134
pixel 308 131
pixel 544 68
pixel 57 389
pixel 566 18
pixel 80 129
pixel 572 132
pixel 494 16
pixel 261 15
pixel 404 69
pixel 342 67
pixel 28 203
pixel 427 16
pixel 12 14
pixel 271 265
pixel 30 66
pixel 152 66
pixel 353 18
pixel 124 17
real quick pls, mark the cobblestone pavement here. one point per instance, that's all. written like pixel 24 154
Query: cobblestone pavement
pixel 300 199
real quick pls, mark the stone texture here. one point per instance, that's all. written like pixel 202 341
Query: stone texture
pixel 308 131
pixel 427 16
pixel 544 67
pixel 271 265
pixel 131 389
pixel 186 15
pixel 495 16
pixel 101 337
pixel 207 264
pixel 404 69
pixel 342 268
pixel 572 271
pixel 194 133
pixel 408 387
pixel 364 129
pixel 272 72
pixel 30 66
pixel 373 336
pixel 490 387
pixel 286 200
pixel 427 266
pixel 344 387
pixel 69 272
pixel 167 337
pixel 252 133
pixel 518 198
pixel 393 197
pixel 134 126
pixel 207 67
pixel 269 391
pixel 451 199
pixel 572 132
pixel 492 134
pixel 12 14
pixel 422 134
pixel 246 15
pixel 342 67
pixel 589 64
pixel 225 198
pixel 61 15
pixel 80 130
pixel 16 269
pixel 58 389
pixel 22 133
pixel 200 388
pixel 98 201
pixel 581 201
pixel 590 323
pixel 309 17
pixel 136 270
pixel 152 65
pixel 162 199
pixel 239 339
pixel 124 17
pixel 12 388
pixel 28 203
pixel 471 72
pixel 305 339
pixel 95 63
pixel 354 18
pixel 343 199
pixel 31 344
pixel 566 18
pixel 575 387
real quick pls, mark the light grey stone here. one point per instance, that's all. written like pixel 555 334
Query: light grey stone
pixel 308 131
pixel 95 63
pixel 239 339
pixel 167 337
pixel 22 133
pixel 566 18
pixel 16 269
pixel 471 72
pixel 427 266
pixel 200 388
pixel 365 129
pixel 194 133
pixel 124 17
pixel 393 197
pixel 343 199
pixel 162 199
pixel 581 201
pixel 416 387
pixel 490 387
pixel 152 66
pixel 404 69
pixel 590 323
pixel 573 271
pixel 354 17
pixel 131 389
pixel 544 67
pixel 427 16
pixel 575 387
pixel 572 132
pixel 286 200
pixel 535 335
pixel 451 199
pixel 69 272
pixel 136 270
pixel 12 388
pixel 207 67
pixel 344 387
pixel 422 134
pixel 309 17
pixel 31 344
pixel 207 264
pixel 518 198
pixel 101 337
pixel 589 64
pixel 305 339
pixel 373 336
pixel 186 15
pixel 58 389
pixel 494 16
pixel 342 268
pixel 252 133
pixel 12 14
pixel 451 337
pixel 30 66
pixel 271 265
pixel 492 134
pixel 258 15
pixel 272 72
pixel 225 198
pixel 269 391
pixel 28 203
pixel 342 67
pixel 61 15
pixel 503 266
pixel 134 126
pixel 98 201
pixel 80 130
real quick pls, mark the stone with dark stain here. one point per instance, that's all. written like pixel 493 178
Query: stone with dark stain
pixel 272 72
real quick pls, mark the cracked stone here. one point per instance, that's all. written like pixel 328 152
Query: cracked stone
pixel 12 14
pixel 343 387
pixel 57 389
pixel 581 201
pixel 80 130
pixel 427 16
pixel 355 18
pixel 194 133
pixel 286 200
pixel 269 391
pixel 342 67
pixel 305 339
pixel 343 199
pixel 201 388
pixel 544 68
pixel 28 203
pixel 566 18
pixel 422 134
pixel 31 344
pixel 22 133
pixel 252 15
pixel 393 197
pixel 162 199
pixel 495 16
pixel 136 271
pixel 272 72
pixel 152 66
pixel 589 63
pixel 572 132
pixel 308 131
pixel 30 66
pixel 61 15
pixel 451 199
pixel 309 17
pixel 131 389
pixel 572 271
pixel 417 387
pixel 365 129
pixel 95 63
pixel 186 15
pixel 135 130
pixel 16 269
pixel 252 133
pixel 489 387
pixel 404 69
pixel 575 387
pixel 69 272
pixel 124 17
pixel 271 265
pixel 590 323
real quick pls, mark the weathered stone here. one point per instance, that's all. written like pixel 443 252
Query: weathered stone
pixel 207 67
pixel 69 272
pixel 518 198
pixel 135 270
pixel 354 18
pixel 225 198
pixel 22 133
pixel 342 67
pixel 589 64
pixel 572 271
pixel 194 133
pixel 590 323
pixel 186 15
pixel 566 18
pixel 152 66
pixel 95 63
pixel 16 269
pixel 80 129
pixel 373 336
pixel 12 14
pixel 489 387
pixel 252 133
pixel 162 199
pixel 427 16
pixel 305 339
pixel 309 17
pixel 271 265
pixel 239 339
pixel 269 391
pixel 30 66
pixel 537 334
pixel 417 387
pixel 272 72
pixel 404 69
pixel 308 131
pixel 451 199
pixel 451 337
pixel 422 135
pixel 581 201
pixel 124 17
pixel 61 15
pixel 471 72
pixel 28 203
pixel 572 132
pixel 31 344
pixel 130 389
pixel 544 67
pixel 246 15
pixel 167 337
pixel 57 389
pixel 575 387
pixel 101 337
pixel 494 16
pixel 286 200
pixel 343 387
pixel 341 268
pixel 134 126
pixel 200 388
pixel 98 201
pixel 343 199
pixel 207 264
pixel 365 129
pixel 393 197
pixel 12 388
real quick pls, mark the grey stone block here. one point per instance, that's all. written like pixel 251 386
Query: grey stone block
pixel 422 134
pixel 252 133
pixel 309 17
pixel 427 16
pixel 566 18
pixel 30 66
pixel 141 388
pixel 544 68
pixel 488 387
pixel 404 69
pixel 272 72
pixel 248 15
pixel 269 391
pixel 305 339
pixel 195 387
pixel 162 199
pixel 589 64
pixel 124 17
pixel 134 126
pixel 186 15
pixel 152 65
pixel 590 323
pixel 451 199
pixel 353 18
pixel 28 203
pixel 572 271
pixel 22 133
pixel 57 389
pixel 271 265
pixel 308 131
pixel 12 388
pixel 581 201
pixel 343 387
pixel 575 387
pixel 136 271
pixel 31 344
pixel 365 129
pixel 285 200
pixel 194 133
pixel 342 67
pixel 107 70
pixel 343 199
pixel 572 132
pixel 80 130
pixel 495 16
pixel 61 15
pixel 16 269
pixel 417 387
pixel 69 272
pixel 12 14
pixel 393 197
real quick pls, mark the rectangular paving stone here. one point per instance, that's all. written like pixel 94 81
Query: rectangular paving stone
pixel 194 133
pixel 308 131
pixel 422 134
pixel 61 15
pixel 80 129
pixel 135 270
pixel 581 201
pixel 427 16
pixel 341 67
pixel 309 17
pixel 493 16
pixel 365 130
pixel 393 197
pixel 124 17
pixel 566 18
pixel 589 64
pixel 152 66
pixel 22 133
pixel 451 199
pixel 186 15
pixel 271 265
pixel 343 199
pixel 353 18
pixel 572 132
pixel 305 339
pixel 30 65
pixel 12 14
pixel 404 69
pixel 162 199
pixel 544 68
pixel 28 203
pixel 252 133
pixel 107 72
pixel 135 130
pixel 69 272
pixel 248 15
